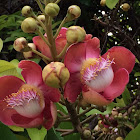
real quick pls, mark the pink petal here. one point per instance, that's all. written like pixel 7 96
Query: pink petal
pixel 93 48
pixel 25 122
pixel 52 93
pixel 6 113
pixel 60 43
pixel 50 115
pixel 123 58
pixel 8 85
pixel 121 78
pixel 88 36
pixel 93 97
pixel 74 57
pixel 42 46
pixel 73 87
pixel 62 32
pixel 31 72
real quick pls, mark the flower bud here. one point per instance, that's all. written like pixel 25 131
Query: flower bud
pixel 52 9
pixel 73 12
pixel 29 54
pixel 20 44
pixel 27 11
pixel 75 34
pixel 87 133
pixel 114 112
pixel 103 2
pixel 29 25
pixel 119 138
pixel 125 7
pixel 41 18
pixel 55 74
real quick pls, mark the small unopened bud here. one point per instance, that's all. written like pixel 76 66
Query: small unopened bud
pixel 114 112
pixel 73 12
pixel 20 44
pixel 125 7
pixel 75 34
pixel 41 18
pixel 119 138
pixel 52 9
pixel 103 2
pixel 55 74
pixel 87 134
pixel 29 25
pixel 27 11
pixel 100 124
pixel 29 54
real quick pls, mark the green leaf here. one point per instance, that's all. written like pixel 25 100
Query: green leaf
pixel 126 96
pixel 137 74
pixel 108 110
pixel 36 134
pixel 134 134
pixel 1 44
pixel 111 3
pixel 6 133
pixel 16 128
pixel 120 102
pixel 8 68
pixel 53 135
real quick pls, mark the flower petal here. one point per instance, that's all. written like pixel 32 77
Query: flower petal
pixel 31 72
pixel 73 87
pixel 6 113
pixel 52 93
pixel 93 48
pixel 25 122
pixel 42 46
pixel 123 58
pixel 121 78
pixel 8 85
pixel 50 114
pixel 93 97
pixel 62 32
pixel 74 57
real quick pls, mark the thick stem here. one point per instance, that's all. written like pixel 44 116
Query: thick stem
pixel 51 40
pixel 74 118
pixel 57 1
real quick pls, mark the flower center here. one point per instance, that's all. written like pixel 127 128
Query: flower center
pixel 97 73
pixel 28 101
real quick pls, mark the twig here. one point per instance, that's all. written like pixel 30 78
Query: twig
pixel 88 119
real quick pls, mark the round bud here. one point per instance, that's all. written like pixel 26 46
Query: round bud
pixel 126 117
pixel 27 11
pixel 120 116
pixel 133 110
pixel 29 54
pixel 73 12
pixel 29 25
pixel 75 34
pixel 114 112
pixel 20 44
pixel 55 74
pixel 41 18
pixel 87 133
pixel 103 2
pixel 52 9
pixel 125 7
pixel 119 138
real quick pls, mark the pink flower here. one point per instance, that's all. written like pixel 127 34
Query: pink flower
pixel 60 43
pixel 27 103
pixel 99 78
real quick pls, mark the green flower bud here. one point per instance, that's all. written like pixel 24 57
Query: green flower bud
pixel 27 11
pixel 103 2
pixel 87 133
pixel 52 9
pixel 114 112
pixel 42 18
pixel 29 54
pixel 55 74
pixel 20 44
pixel 29 25
pixel 75 34
pixel 73 12
pixel 126 117
pixel 125 7
pixel 119 138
